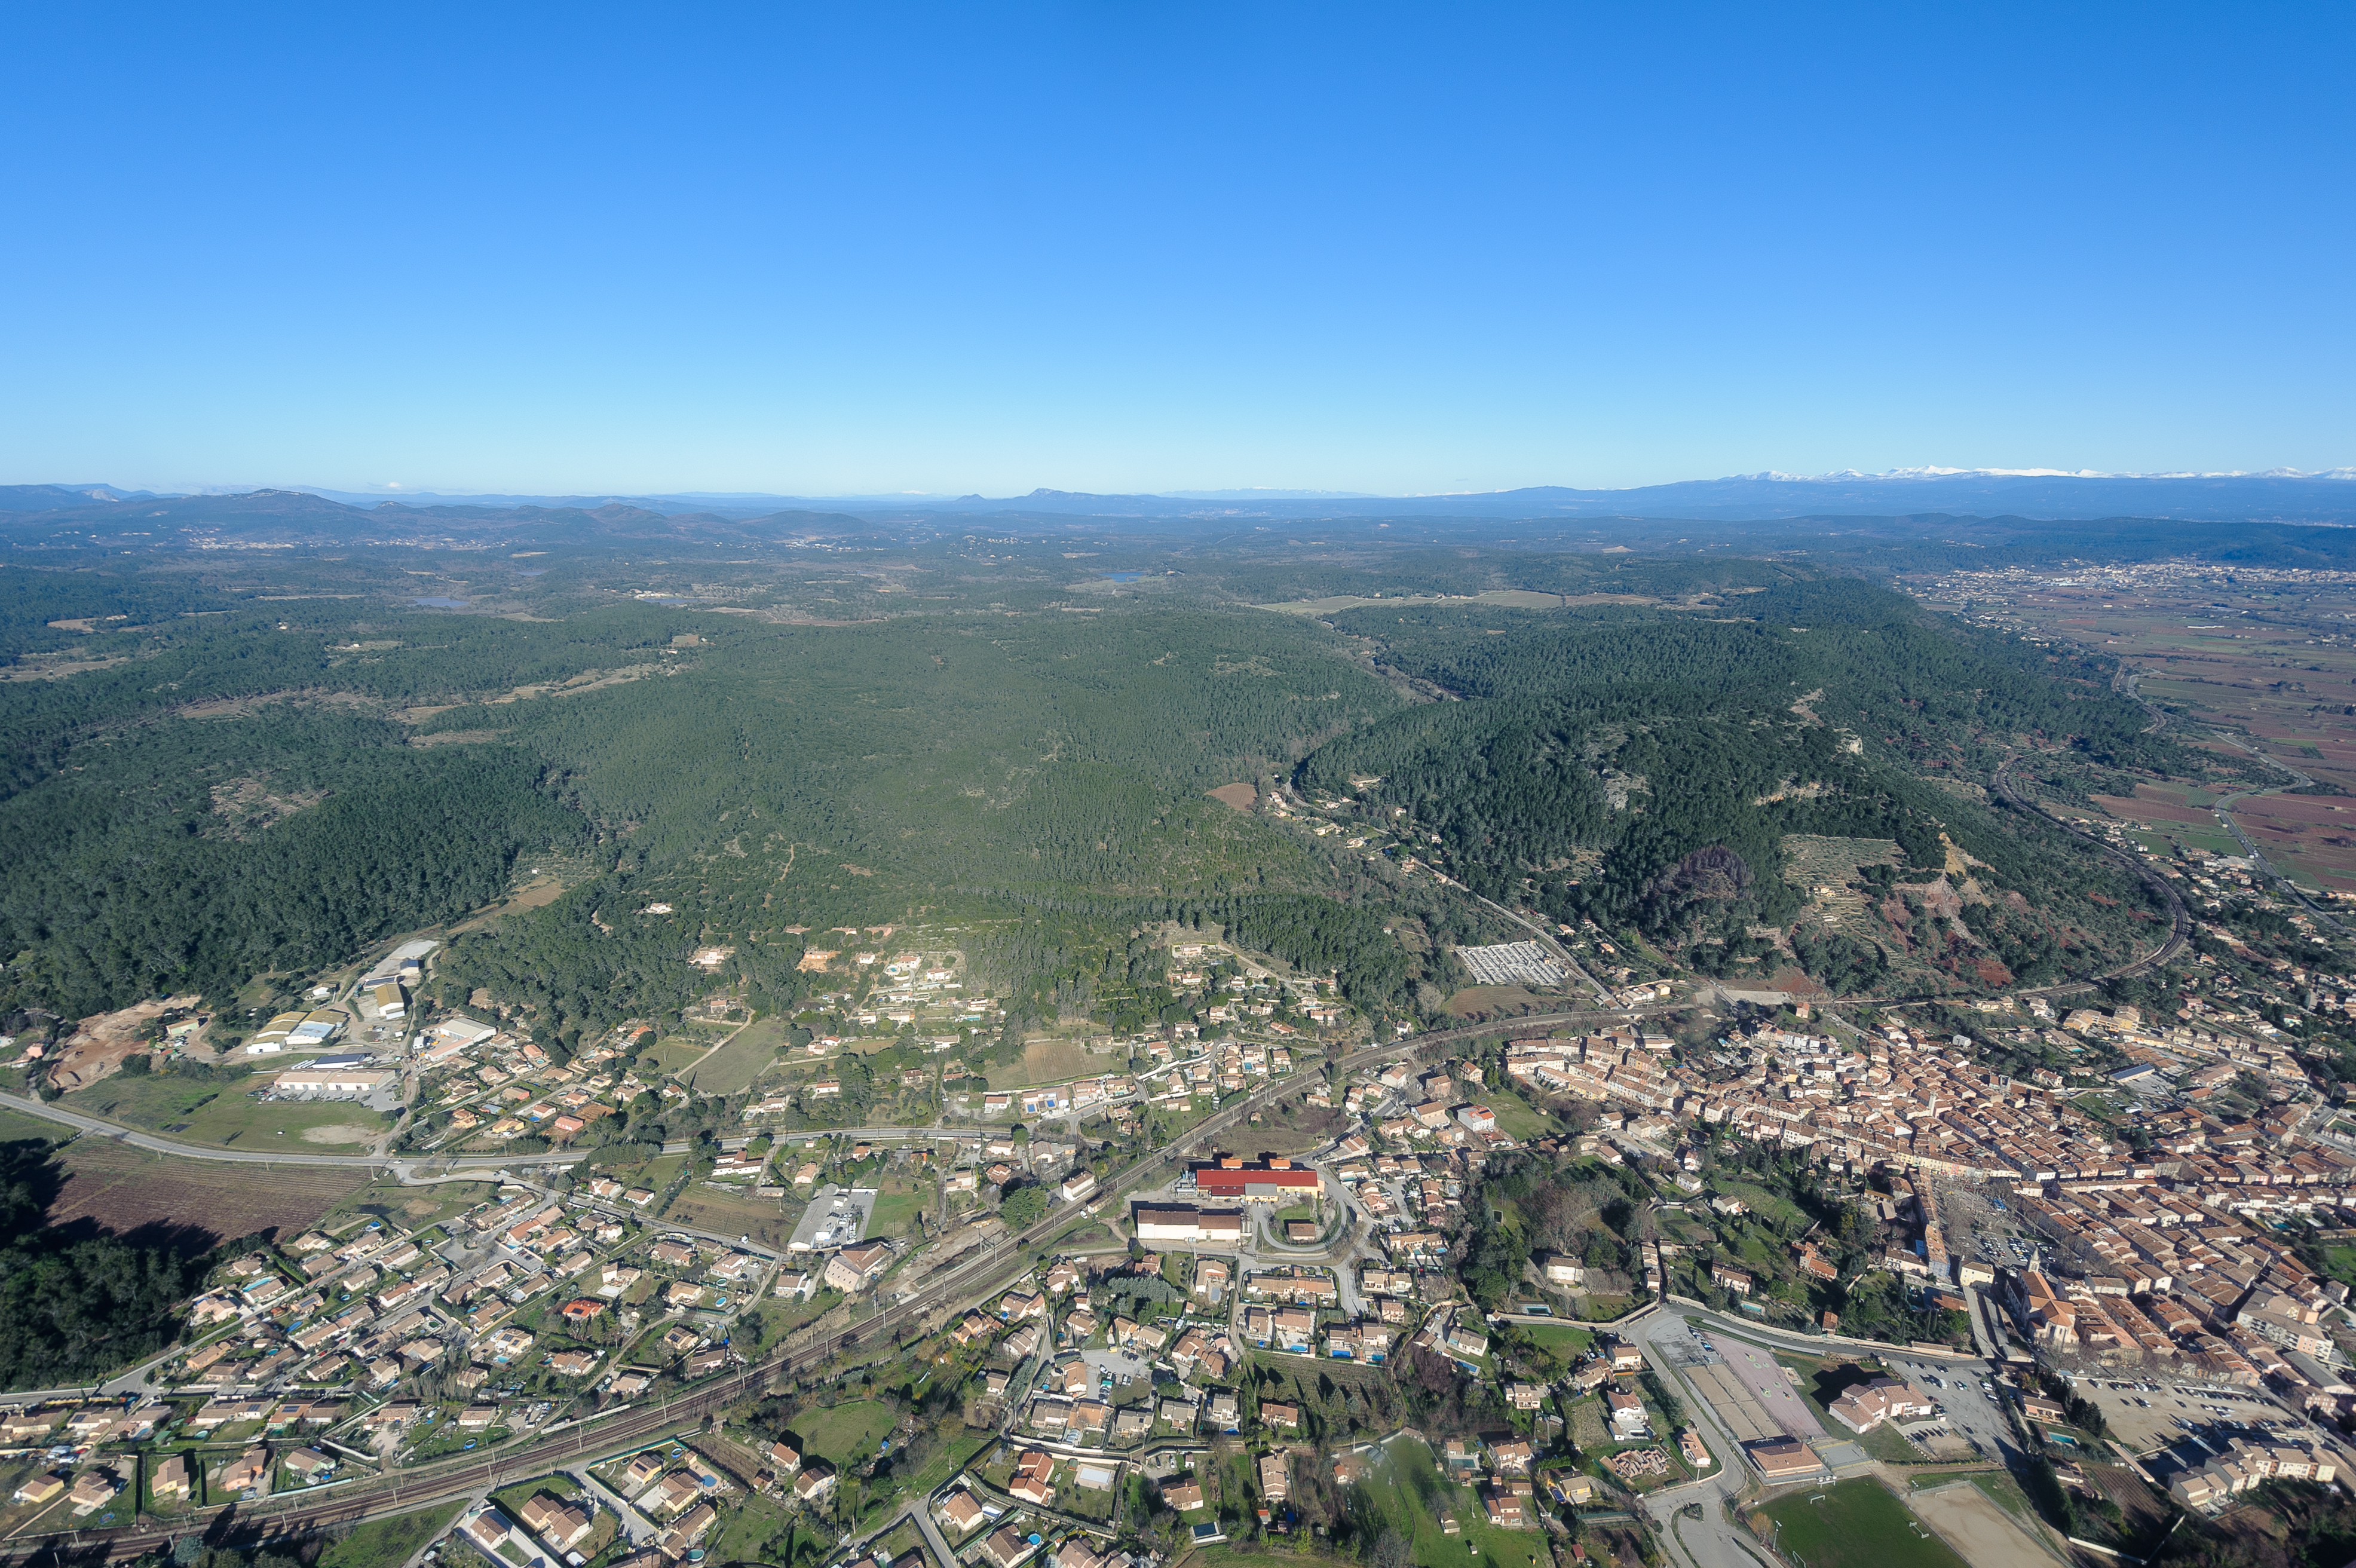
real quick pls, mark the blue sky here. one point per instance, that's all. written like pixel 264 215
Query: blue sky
pixel 1128 247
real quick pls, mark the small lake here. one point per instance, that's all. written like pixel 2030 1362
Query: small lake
pixel 439 603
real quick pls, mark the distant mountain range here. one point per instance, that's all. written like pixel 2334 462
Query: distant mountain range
pixel 2283 497
pixel 83 515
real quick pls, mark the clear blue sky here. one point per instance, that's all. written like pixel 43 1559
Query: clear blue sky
pixel 1123 246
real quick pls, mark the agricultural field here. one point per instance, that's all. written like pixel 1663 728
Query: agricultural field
pixel 731 1069
pixel 1854 1524
pixel 18 1127
pixel 1292 1129
pixel 1481 1001
pixel 2269 663
pixel 1051 1059
pixel 678 1051
pixel 414 1206
pixel 124 1189
pixel 656 1173
pixel 766 1220
pixel 152 1102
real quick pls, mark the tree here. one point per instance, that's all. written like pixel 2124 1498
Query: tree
pixel 1025 1207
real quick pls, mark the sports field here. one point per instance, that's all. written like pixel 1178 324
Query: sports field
pixel 1854 1524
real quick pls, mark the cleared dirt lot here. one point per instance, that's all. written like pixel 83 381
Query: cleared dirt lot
pixel 99 1044
pixel 1984 1533
pixel 766 1220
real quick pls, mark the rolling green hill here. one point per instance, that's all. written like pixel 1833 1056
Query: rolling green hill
pixel 239 784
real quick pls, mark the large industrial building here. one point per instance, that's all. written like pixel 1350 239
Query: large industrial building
pixel 1167 1224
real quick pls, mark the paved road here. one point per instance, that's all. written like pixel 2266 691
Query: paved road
pixel 1709 1541
pixel 417 1559
pixel 1952 1379
pixel 620 1432
pixel 1011 1254
pixel 640 1530
pixel 921 1510
pixel 162 1146
pixel 134 1382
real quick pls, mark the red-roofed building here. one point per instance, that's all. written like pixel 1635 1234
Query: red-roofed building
pixel 1276 1180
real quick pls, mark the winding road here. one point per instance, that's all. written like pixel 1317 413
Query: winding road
pixel 2179 918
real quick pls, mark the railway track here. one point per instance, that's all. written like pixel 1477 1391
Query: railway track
pixel 2179 917
pixel 453 1481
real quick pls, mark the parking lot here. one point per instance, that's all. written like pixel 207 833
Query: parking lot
pixel 1118 1369
pixel 837 1217
pixel 1745 1385
pixel 1982 1226
pixel 1967 1401
pixel 2147 1413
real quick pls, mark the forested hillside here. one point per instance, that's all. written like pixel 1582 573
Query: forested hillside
pixel 1642 767
pixel 76 1300
pixel 260 772
pixel 138 872
pixel 253 791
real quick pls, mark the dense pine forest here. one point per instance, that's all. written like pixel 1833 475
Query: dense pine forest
pixel 1641 768
pixel 252 774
